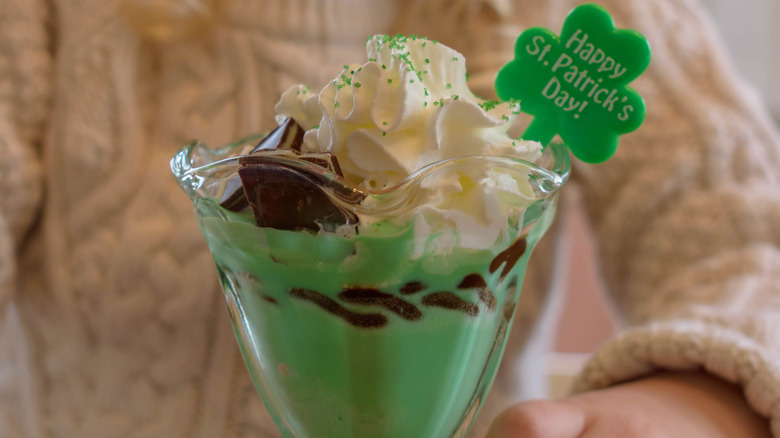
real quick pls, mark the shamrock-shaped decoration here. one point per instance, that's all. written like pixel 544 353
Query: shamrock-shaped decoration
pixel 576 85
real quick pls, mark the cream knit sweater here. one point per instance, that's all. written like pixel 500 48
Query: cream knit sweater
pixel 112 323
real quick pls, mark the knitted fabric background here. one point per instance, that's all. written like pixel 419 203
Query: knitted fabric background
pixel 113 323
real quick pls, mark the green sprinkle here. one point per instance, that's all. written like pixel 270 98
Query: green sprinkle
pixel 384 134
pixel 424 43
pixel 315 127
pixel 427 61
pixel 384 123
pixel 455 97
pixel 468 76
pixel 426 91
pixel 425 103
pixel 384 67
pixel 454 58
pixel 372 59
pixel 336 105
pixel 504 116
pixel 489 104
pixel 449 86
pixel 411 81
pixel 389 81
pixel 346 66
pixel 357 84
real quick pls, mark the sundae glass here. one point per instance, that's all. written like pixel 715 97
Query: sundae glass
pixel 372 247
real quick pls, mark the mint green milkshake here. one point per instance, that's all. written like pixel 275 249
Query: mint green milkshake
pixel 372 256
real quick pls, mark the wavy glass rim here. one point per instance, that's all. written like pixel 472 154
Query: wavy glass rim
pixel 196 162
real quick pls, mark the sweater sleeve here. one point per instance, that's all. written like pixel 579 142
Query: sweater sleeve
pixel 687 217
pixel 25 64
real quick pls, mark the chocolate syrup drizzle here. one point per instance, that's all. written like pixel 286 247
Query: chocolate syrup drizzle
pixel 510 255
pixel 361 295
pixel 364 320
pixel 371 296
pixel 411 288
pixel 448 300
pixel 476 281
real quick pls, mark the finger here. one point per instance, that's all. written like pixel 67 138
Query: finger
pixel 538 419
pixel 622 427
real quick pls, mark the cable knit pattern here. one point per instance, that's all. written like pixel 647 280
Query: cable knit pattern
pixel 117 327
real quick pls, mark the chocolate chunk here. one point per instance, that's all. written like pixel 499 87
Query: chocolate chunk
pixel 476 281
pixel 285 198
pixel 288 135
pixel 286 141
pixel 368 296
pixel 326 160
pixel 448 300
pixel 364 320
pixel 233 198
pixel 509 257
pixel 270 299
pixel 411 288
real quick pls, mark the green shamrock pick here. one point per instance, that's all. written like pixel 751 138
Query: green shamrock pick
pixel 576 85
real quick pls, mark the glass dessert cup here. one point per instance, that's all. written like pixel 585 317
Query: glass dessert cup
pixel 383 333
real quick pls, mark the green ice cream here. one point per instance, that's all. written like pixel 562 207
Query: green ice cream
pixel 358 336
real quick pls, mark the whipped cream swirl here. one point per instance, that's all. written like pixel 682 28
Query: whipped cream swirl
pixel 407 107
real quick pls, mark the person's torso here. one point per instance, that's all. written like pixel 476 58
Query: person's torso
pixel 128 331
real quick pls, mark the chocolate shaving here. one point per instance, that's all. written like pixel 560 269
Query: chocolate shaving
pixel 369 296
pixel 448 300
pixel 509 257
pixel 363 320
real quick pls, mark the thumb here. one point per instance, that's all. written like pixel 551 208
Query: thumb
pixel 538 419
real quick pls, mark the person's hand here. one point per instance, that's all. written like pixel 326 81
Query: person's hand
pixel 688 405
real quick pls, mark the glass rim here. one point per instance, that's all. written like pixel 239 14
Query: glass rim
pixel 193 163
